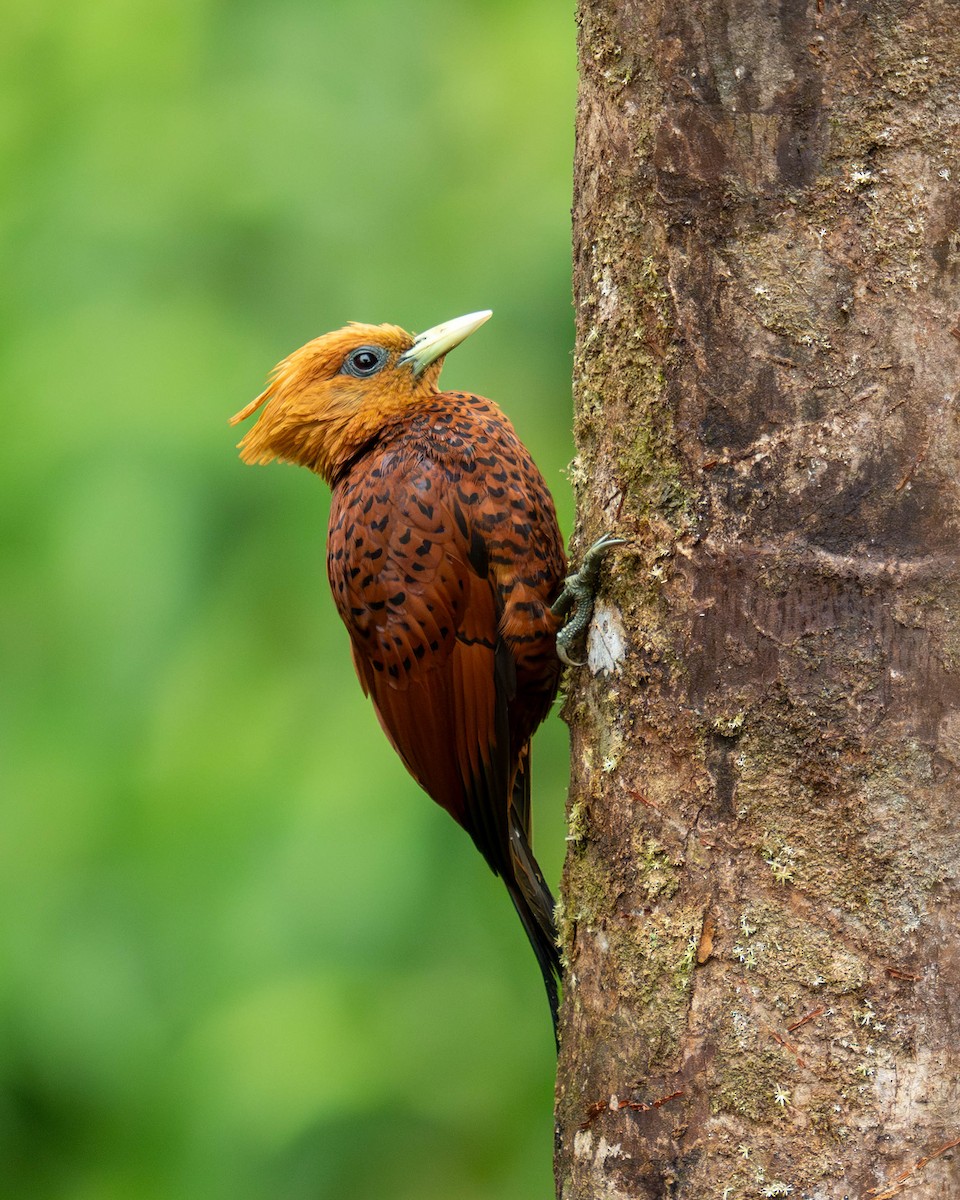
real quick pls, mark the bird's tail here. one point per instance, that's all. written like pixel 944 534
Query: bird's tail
pixel 534 904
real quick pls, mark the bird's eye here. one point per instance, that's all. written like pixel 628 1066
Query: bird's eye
pixel 363 362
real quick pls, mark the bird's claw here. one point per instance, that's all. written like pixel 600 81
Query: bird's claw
pixel 562 652
pixel 578 593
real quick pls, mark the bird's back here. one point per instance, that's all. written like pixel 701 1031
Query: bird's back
pixel 444 556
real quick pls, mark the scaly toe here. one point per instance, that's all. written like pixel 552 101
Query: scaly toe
pixel 578 592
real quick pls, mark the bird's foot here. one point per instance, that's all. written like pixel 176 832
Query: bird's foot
pixel 578 592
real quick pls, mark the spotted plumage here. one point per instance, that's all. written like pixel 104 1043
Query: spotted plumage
pixel 444 558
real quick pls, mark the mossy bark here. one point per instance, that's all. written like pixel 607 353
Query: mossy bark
pixel 762 890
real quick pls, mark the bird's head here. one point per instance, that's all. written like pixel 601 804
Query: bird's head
pixel 330 397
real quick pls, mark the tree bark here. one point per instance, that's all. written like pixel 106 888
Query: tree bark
pixel 761 891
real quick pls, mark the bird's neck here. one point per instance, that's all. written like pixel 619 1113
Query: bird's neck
pixel 334 442
pixel 330 444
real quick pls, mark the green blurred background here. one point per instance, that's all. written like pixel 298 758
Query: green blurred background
pixel 241 954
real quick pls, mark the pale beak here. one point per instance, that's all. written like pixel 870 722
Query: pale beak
pixel 435 342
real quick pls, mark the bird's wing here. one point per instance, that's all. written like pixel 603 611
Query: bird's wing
pixel 409 576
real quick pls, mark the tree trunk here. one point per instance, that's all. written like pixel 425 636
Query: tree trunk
pixel 761 892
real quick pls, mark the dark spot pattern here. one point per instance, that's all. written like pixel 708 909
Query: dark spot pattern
pixel 443 507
